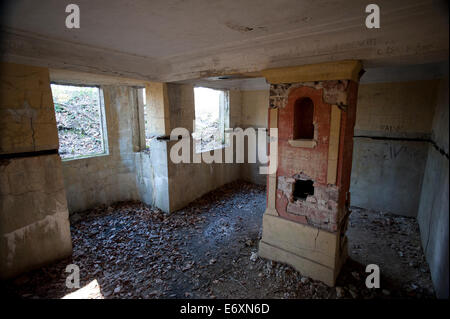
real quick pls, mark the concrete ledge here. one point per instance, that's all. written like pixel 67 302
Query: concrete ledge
pixel 313 243
pixel 340 70
pixel 305 266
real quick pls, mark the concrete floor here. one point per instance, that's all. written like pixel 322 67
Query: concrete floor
pixel 208 250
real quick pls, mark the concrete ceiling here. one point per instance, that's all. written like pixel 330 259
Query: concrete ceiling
pixel 171 40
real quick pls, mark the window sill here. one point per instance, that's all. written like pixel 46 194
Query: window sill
pixel 303 143
pixel 82 157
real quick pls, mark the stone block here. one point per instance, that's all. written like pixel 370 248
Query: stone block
pixel 313 252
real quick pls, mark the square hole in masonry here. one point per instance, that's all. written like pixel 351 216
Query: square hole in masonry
pixel 303 188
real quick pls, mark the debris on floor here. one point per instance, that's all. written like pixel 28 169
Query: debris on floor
pixel 209 250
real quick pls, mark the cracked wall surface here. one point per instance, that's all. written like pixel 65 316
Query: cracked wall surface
pixel 34 224
pixel 27 118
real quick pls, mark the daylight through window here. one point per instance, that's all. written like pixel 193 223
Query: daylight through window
pixel 211 118
pixel 80 120
pixel 143 100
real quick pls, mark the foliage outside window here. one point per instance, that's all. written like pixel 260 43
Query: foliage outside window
pixel 211 118
pixel 80 120
pixel 143 98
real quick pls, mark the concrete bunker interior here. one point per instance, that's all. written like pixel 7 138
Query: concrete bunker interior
pixel 361 152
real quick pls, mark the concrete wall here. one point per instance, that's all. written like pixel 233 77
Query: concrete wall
pixel 392 122
pixel 433 209
pixel 34 224
pixel 152 175
pixel 108 178
pixel 255 104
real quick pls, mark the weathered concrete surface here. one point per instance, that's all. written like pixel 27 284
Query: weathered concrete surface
pixel 34 224
pixel 254 114
pixel 158 108
pixel 433 209
pixel 27 116
pixel 439 132
pixel 401 110
pixel 387 171
pixel 152 175
pixel 387 175
pixel 107 178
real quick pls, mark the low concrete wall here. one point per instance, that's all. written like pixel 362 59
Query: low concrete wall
pixel 434 209
pixel 152 175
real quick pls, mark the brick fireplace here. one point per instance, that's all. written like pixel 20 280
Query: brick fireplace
pixel 314 109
